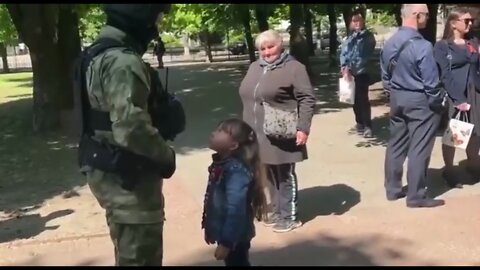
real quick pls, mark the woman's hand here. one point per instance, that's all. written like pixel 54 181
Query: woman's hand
pixel 302 138
pixel 464 107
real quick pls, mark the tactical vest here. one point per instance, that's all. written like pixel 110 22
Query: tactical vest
pixel 164 108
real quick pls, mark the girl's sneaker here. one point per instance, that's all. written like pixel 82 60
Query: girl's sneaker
pixel 271 220
pixel 286 226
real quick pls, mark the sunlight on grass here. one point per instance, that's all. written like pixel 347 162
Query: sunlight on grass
pixel 15 86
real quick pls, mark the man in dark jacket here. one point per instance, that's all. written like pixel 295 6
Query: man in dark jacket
pixel 414 100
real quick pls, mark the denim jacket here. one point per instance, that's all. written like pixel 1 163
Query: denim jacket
pixel 227 213
pixel 357 50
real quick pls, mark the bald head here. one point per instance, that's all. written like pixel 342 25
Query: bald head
pixel 415 15
pixel 409 10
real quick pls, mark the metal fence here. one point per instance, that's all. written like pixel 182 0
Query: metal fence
pixel 18 63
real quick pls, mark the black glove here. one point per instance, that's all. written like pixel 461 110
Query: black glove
pixel 168 170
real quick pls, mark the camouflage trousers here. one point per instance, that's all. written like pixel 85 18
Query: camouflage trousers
pixel 135 218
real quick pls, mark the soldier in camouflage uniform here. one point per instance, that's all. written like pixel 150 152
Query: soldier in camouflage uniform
pixel 118 82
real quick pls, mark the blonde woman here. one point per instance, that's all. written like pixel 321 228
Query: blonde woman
pixel 276 85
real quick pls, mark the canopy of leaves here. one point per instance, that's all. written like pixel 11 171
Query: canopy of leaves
pixel 92 18
pixel 8 33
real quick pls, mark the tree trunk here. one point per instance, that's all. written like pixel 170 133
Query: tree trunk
pixel 309 29
pixel 397 11
pixel 298 44
pixel 208 46
pixel 51 33
pixel 69 46
pixel 186 45
pixel 332 18
pixel 261 13
pixel 347 16
pixel 3 53
pixel 245 18
pixel 430 32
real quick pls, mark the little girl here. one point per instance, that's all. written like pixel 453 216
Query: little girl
pixel 235 192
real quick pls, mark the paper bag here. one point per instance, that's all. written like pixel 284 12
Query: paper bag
pixel 458 132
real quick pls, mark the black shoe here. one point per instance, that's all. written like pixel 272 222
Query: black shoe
pixel 428 203
pixel 397 196
pixel 286 226
pixel 367 133
pixel 450 179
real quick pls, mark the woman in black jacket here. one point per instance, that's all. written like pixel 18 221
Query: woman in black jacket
pixel 458 60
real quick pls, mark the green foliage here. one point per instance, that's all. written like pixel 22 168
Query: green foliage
pixel 278 14
pixel 235 36
pixel 8 33
pixel 182 19
pixel 383 18
pixel 91 19
pixel 170 40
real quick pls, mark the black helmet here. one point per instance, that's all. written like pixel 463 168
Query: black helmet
pixel 137 20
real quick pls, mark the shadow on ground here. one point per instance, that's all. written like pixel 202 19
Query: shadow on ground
pixel 33 168
pixel 380 132
pixel 22 82
pixel 21 226
pixel 437 185
pixel 328 250
pixel 326 200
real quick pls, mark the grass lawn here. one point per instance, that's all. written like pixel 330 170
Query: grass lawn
pixel 33 167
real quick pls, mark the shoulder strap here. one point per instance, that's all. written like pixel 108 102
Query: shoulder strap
pixel 394 61
pixel 90 118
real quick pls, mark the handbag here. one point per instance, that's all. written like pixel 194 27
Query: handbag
pixel 279 123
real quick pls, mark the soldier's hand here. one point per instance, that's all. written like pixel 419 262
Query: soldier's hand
pixel 169 169
pixel 221 252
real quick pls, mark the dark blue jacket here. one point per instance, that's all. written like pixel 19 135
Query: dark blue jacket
pixel 356 51
pixel 458 68
pixel 416 69
pixel 228 215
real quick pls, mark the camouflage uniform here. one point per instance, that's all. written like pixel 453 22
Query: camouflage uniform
pixel 119 82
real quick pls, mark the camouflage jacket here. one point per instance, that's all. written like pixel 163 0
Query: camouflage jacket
pixel 119 82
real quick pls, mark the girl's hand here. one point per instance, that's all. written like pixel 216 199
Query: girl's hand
pixel 301 138
pixel 221 252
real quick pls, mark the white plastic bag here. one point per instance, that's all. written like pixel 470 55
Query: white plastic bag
pixel 458 132
pixel 346 90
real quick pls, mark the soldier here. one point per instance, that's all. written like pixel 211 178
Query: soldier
pixel 118 84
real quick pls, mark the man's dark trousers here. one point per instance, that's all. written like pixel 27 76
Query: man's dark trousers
pixel 361 106
pixel 412 134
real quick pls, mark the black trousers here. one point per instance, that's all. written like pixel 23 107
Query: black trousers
pixel 361 106
pixel 283 189
pixel 412 134
pixel 238 256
